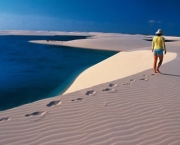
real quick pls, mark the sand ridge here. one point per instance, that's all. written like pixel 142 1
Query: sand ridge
pixel 121 65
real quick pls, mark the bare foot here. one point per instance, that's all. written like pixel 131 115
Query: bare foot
pixel 158 71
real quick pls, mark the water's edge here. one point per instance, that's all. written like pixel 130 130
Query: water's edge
pixel 31 72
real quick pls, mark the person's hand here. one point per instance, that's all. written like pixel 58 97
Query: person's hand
pixel 152 50
pixel 164 51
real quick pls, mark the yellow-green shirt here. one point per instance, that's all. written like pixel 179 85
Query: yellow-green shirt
pixel 158 42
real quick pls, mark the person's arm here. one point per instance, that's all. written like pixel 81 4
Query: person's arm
pixel 164 46
pixel 152 44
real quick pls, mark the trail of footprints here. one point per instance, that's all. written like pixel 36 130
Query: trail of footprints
pixel 111 89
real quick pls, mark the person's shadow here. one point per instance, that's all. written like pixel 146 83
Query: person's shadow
pixel 170 75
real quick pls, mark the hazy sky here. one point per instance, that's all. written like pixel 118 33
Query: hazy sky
pixel 124 16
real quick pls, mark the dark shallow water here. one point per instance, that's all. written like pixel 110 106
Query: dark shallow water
pixel 30 72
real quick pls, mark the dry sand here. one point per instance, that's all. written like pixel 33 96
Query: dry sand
pixel 116 102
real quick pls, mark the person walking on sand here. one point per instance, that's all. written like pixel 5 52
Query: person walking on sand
pixel 158 46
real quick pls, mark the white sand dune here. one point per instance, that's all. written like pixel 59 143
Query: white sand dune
pixel 103 42
pixel 113 42
pixel 126 105
pixel 121 65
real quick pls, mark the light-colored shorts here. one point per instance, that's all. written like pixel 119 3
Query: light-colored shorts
pixel 158 52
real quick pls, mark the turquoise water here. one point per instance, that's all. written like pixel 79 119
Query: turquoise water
pixel 30 72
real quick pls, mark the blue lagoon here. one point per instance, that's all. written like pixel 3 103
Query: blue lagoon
pixel 30 72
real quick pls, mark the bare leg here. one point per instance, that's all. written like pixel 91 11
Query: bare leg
pixel 160 62
pixel 155 61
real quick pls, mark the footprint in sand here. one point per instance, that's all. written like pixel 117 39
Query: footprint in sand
pixel 144 79
pixel 105 103
pixel 111 90
pixel 126 84
pixel 145 76
pixel 38 113
pixel 78 99
pixel 54 103
pixel 112 85
pixel 91 93
pixel 4 119
pixel 132 80
pixel 153 74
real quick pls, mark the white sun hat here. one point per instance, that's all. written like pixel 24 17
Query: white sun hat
pixel 159 31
